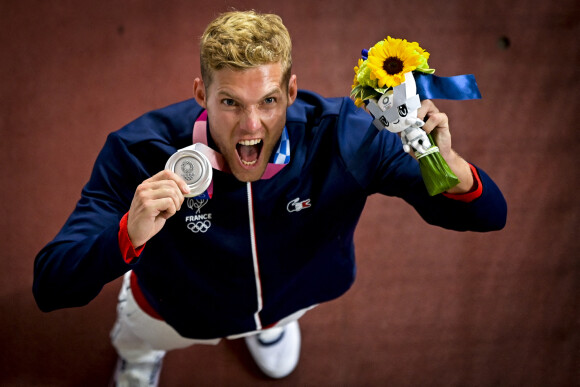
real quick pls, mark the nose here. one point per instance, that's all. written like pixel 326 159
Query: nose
pixel 250 120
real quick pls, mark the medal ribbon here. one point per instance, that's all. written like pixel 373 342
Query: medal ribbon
pixel 281 156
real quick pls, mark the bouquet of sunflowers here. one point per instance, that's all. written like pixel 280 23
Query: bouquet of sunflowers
pixel 385 82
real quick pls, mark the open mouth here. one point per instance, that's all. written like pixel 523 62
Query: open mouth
pixel 249 151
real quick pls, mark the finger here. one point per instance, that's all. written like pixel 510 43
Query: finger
pixel 153 190
pixel 170 175
pixel 169 189
pixel 436 120
pixel 427 109
pixel 414 122
pixel 158 208
pixel 165 207
pixel 183 187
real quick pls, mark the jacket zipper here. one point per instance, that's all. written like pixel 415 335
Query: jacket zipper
pixel 255 257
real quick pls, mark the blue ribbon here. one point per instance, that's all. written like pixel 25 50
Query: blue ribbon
pixel 459 87
pixel 365 54
pixel 429 86
pixel 203 196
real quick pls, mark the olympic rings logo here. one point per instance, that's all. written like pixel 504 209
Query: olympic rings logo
pixel 201 226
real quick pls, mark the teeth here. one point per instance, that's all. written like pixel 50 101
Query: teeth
pixel 250 142
pixel 249 162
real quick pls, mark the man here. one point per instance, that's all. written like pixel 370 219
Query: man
pixel 270 239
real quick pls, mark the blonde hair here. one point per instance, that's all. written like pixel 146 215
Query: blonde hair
pixel 243 40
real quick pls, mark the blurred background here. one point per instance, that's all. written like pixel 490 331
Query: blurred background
pixel 430 307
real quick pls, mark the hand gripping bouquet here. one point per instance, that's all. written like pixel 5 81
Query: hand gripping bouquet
pixel 391 79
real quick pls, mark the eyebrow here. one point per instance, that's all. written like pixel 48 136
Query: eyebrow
pixel 275 90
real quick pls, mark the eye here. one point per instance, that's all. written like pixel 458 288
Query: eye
pixel 384 121
pixel 228 102
pixel 269 100
pixel 403 110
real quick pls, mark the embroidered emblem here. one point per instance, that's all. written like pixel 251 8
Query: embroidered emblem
pixel 199 222
pixel 200 226
pixel 196 203
pixel 296 205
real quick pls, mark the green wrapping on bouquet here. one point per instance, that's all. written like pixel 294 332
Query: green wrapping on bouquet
pixel 437 175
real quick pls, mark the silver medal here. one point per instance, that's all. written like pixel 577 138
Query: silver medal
pixel 193 167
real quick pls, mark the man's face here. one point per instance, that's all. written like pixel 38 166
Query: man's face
pixel 247 114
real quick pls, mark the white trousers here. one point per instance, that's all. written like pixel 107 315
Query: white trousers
pixel 138 337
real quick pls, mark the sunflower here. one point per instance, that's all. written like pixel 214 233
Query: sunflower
pixel 358 102
pixel 355 82
pixel 390 59
pixel 384 66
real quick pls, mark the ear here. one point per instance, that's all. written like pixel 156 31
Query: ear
pixel 199 92
pixel 410 84
pixel 292 89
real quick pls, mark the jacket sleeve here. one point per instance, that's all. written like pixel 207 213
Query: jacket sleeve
pixel 380 165
pixel 400 176
pixel 85 255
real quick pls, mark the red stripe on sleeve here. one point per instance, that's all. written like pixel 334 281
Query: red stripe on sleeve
pixel 128 252
pixel 471 195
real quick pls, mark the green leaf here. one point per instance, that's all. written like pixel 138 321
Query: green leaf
pixel 356 90
pixel 426 71
pixel 368 93
pixel 437 175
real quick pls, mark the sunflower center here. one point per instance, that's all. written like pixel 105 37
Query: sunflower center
pixel 393 65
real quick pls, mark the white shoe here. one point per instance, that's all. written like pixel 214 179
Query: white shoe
pixel 144 374
pixel 277 350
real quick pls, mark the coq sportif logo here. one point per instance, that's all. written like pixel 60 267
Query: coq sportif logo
pixel 296 205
